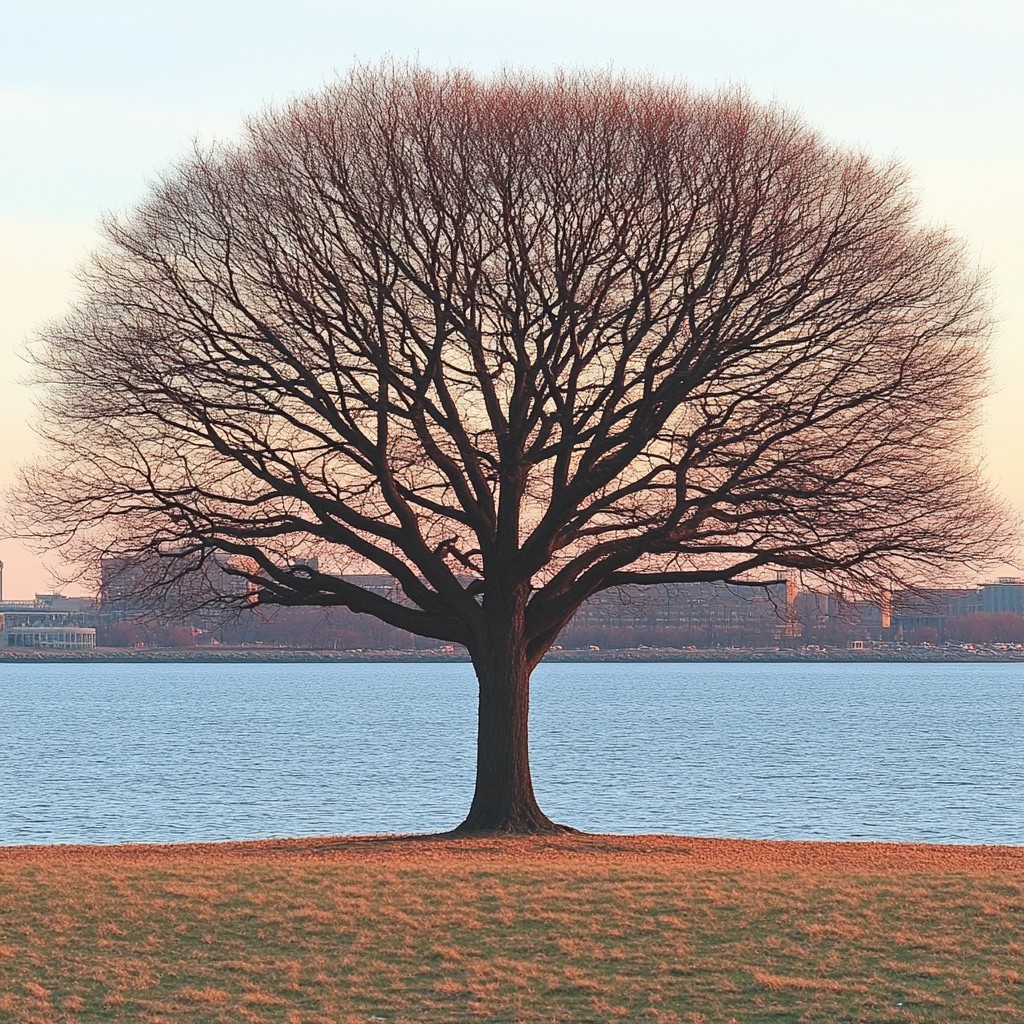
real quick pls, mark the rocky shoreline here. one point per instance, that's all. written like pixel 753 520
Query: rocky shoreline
pixel 276 655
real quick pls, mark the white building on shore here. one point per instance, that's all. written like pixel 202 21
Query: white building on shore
pixel 50 622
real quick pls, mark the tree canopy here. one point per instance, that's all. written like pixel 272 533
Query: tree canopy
pixel 513 342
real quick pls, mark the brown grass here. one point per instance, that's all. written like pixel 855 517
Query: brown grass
pixel 572 928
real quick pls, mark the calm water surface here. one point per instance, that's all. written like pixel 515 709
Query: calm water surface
pixel 158 753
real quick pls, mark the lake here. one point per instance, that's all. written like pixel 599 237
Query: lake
pixel 103 753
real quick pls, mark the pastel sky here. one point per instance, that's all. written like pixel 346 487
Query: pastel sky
pixel 96 99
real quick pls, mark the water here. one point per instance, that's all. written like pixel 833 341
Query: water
pixel 160 753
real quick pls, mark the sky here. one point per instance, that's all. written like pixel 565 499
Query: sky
pixel 97 99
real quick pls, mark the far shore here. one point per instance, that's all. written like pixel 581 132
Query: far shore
pixel 986 654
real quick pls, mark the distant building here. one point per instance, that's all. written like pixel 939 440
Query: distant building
pixel 1005 595
pixel 932 608
pixel 150 585
pixel 683 614
pixel 50 622
pixel 836 620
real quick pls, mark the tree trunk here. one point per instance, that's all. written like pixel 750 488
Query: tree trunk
pixel 504 800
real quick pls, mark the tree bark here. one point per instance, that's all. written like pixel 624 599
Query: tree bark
pixel 503 800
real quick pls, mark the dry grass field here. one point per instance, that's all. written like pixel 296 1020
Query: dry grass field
pixel 578 928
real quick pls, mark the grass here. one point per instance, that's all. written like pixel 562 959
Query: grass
pixel 576 928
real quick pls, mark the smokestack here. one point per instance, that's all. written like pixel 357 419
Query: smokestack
pixel 886 607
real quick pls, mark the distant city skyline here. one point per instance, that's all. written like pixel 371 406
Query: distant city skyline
pixel 96 101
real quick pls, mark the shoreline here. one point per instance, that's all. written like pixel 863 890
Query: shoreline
pixel 277 655
pixel 697 853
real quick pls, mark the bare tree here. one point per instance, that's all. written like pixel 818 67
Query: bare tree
pixel 514 342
